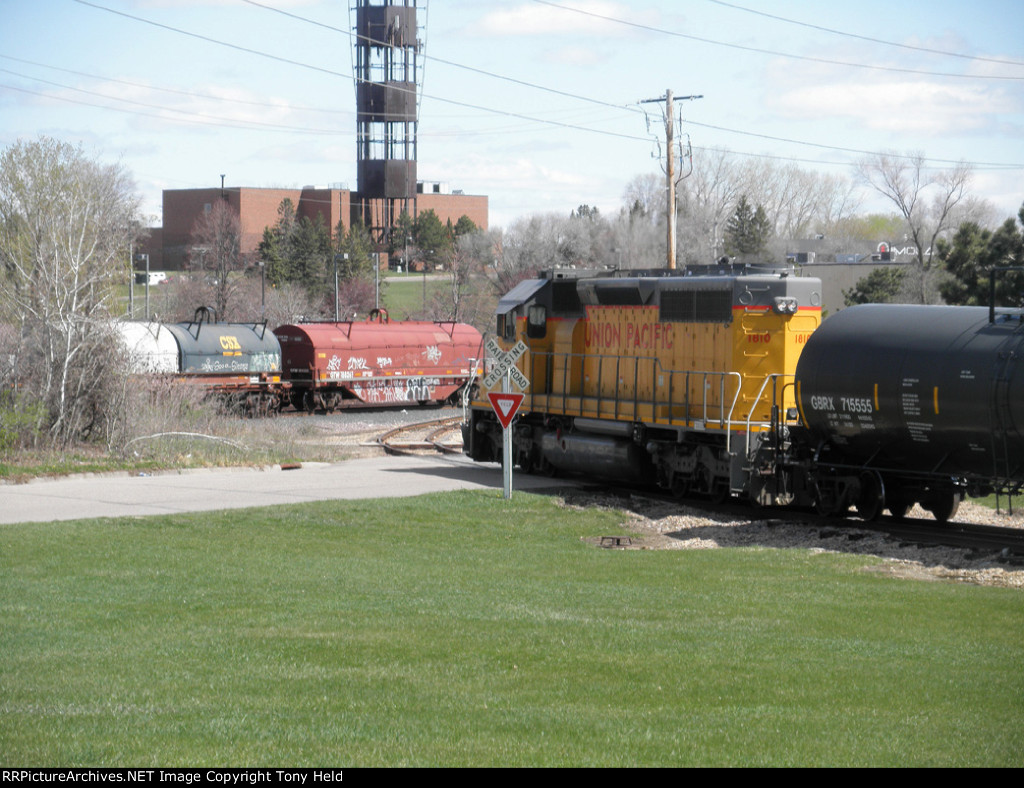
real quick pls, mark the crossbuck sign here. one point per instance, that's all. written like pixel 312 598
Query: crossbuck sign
pixel 505 363
pixel 505 404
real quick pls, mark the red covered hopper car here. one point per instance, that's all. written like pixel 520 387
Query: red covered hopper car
pixel 377 361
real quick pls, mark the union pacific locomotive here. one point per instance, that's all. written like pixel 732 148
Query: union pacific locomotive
pixel 719 381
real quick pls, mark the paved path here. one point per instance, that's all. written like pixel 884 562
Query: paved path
pixel 121 495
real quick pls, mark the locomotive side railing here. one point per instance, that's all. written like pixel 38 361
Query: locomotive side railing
pixel 563 378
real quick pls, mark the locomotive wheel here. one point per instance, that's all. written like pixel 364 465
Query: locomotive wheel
pixel 871 500
pixel 680 485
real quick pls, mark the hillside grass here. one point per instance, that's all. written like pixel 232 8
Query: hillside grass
pixel 459 629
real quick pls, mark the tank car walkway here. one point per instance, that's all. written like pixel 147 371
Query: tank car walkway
pixel 119 495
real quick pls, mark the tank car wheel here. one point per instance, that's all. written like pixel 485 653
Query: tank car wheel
pixel 898 508
pixel 943 505
pixel 825 505
pixel 871 499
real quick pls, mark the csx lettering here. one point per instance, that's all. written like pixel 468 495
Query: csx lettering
pixel 822 403
pixel 230 343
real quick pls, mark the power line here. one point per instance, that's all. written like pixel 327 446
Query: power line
pixel 198 120
pixel 774 53
pixel 188 93
pixel 600 102
pixel 871 39
pixel 289 61
pixel 507 113
pixel 248 124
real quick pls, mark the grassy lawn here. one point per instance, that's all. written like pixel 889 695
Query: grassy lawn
pixel 461 629
pixel 403 294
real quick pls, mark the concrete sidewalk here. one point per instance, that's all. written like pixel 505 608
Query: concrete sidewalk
pixel 121 495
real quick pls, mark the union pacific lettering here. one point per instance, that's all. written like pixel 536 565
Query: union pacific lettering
pixel 613 336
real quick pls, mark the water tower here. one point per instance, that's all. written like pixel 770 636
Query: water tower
pixel 388 67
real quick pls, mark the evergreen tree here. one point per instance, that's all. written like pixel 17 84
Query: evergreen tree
pixel 433 237
pixel 881 286
pixel 465 226
pixel 276 247
pixel 973 253
pixel 747 231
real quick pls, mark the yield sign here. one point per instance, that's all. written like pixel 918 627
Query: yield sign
pixel 505 406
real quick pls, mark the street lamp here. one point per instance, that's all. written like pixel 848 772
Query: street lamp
pixel 145 257
pixel 263 290
pixel 343 257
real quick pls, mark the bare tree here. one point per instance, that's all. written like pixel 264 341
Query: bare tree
pixel 215 254
pixel 927 200
pixel 469 296
pixel 66 222
pixel 707 199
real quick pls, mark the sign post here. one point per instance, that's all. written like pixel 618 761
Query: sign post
pixel 506 404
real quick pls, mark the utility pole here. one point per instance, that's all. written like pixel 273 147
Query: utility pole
pixel 670 171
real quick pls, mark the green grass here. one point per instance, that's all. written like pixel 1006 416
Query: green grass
pixel 403 295
pixel 461 629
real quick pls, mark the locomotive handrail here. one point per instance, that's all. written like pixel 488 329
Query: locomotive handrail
pixel 776 402
pixel 721 414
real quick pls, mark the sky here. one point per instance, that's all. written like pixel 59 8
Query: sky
pixel 537 104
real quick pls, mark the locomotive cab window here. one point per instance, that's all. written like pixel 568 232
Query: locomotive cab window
pixel 506 325
pixel 536 322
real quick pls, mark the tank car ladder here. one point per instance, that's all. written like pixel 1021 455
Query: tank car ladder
pixel 1003 470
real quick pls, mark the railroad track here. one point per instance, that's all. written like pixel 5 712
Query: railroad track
pixel 431 437
pixel 981 538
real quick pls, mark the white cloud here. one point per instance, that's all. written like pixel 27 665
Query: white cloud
pixel 906 106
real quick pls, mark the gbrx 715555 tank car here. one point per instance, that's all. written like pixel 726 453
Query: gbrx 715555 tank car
pixel 913 404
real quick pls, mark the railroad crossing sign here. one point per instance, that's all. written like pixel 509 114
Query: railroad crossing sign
pixel 505 363
pixel 505 406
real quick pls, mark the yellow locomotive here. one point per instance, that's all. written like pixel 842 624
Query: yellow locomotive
pixel 683 379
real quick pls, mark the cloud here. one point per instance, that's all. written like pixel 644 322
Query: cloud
pixel 899 106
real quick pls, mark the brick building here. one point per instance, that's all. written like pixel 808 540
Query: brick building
pixel 257 209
